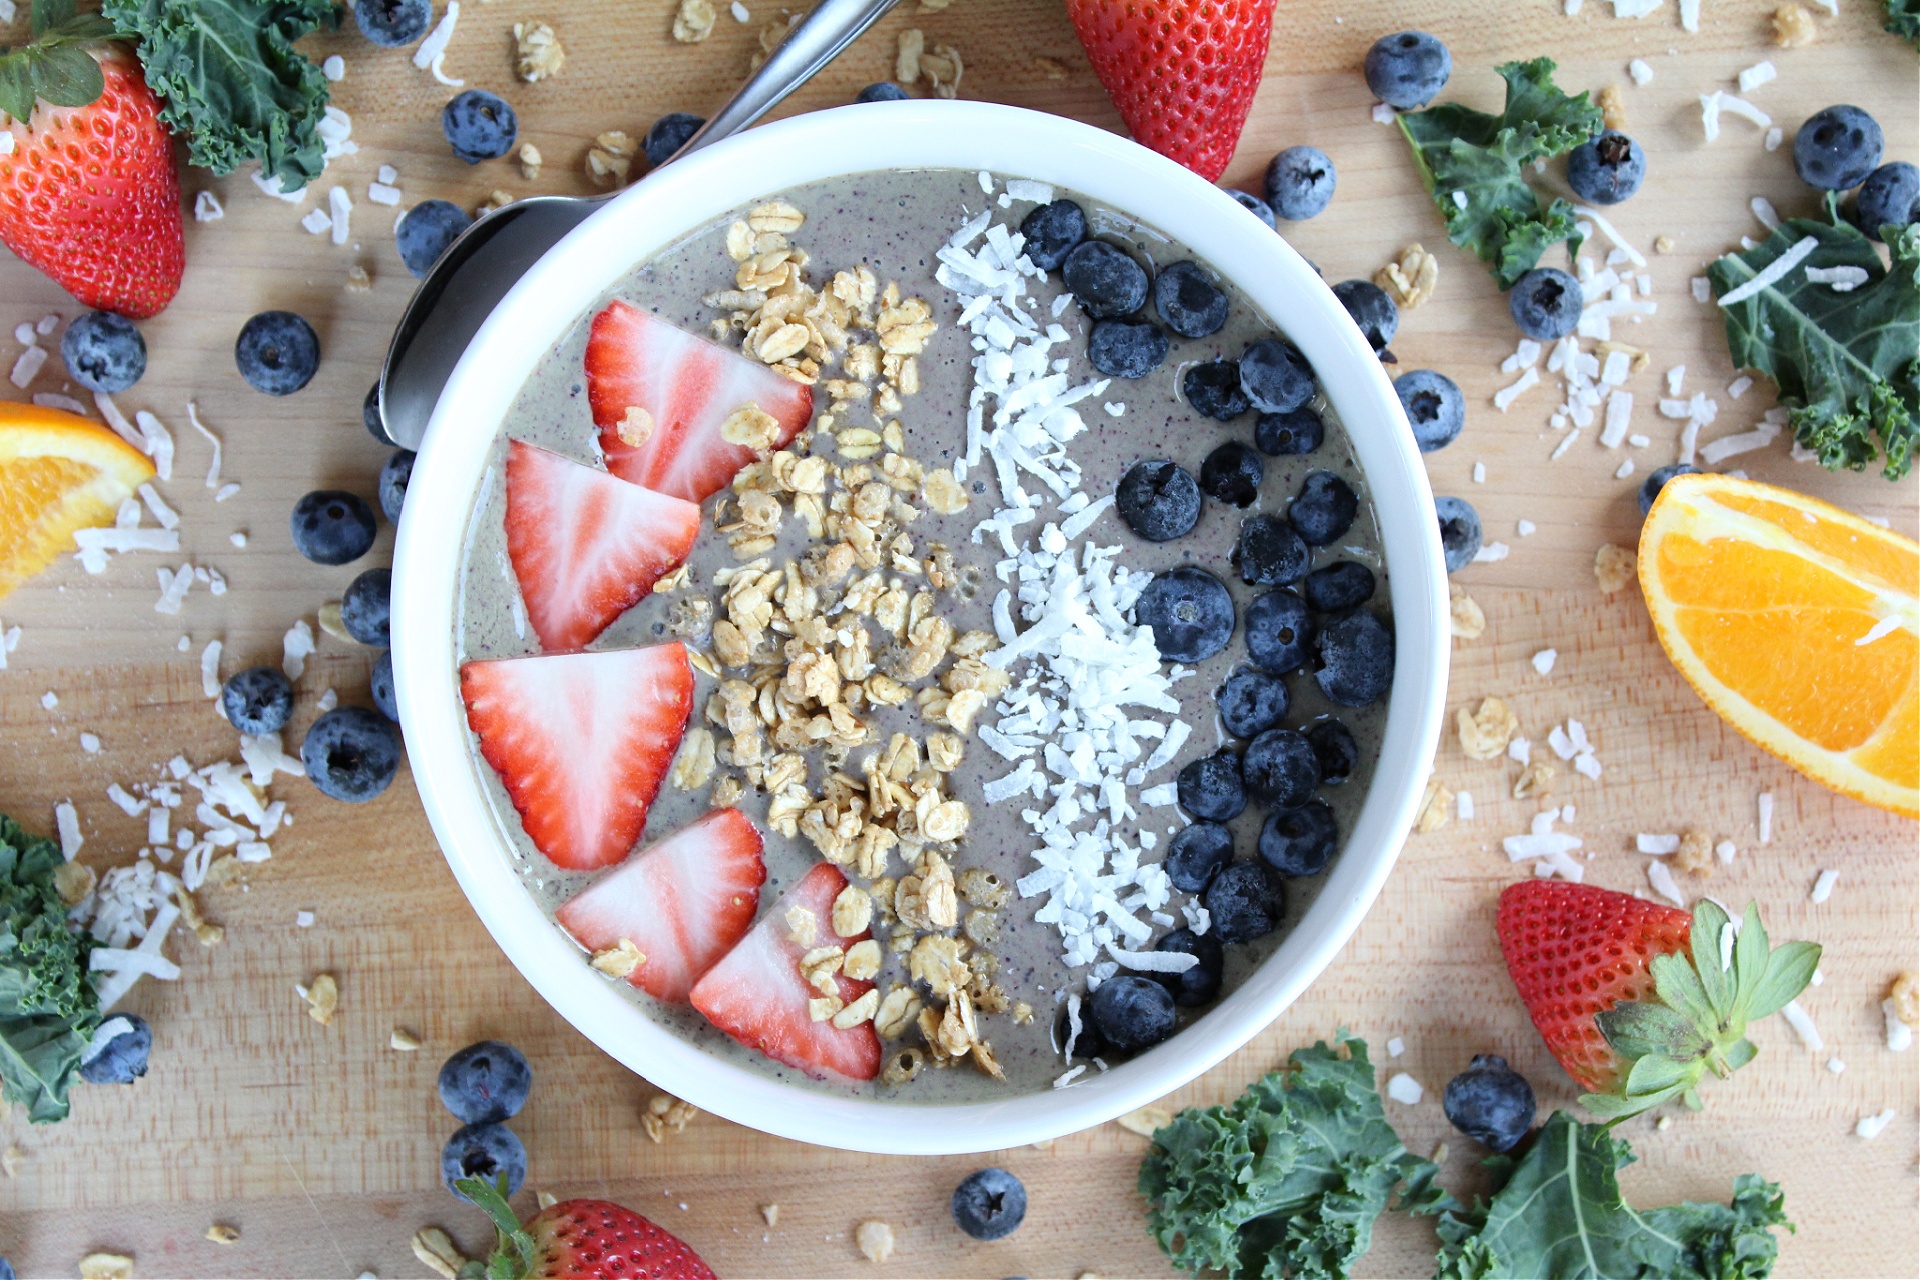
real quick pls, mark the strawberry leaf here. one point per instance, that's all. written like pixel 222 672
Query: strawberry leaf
pixel 49 13
pixel 1639 1031
pixel 1903 19
pixel 1704 942
pixel 1789 970
pixel 66 75
pixel 514 1252
pixel 56 67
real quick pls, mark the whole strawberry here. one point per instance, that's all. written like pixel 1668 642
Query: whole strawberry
pixel 580 1240
pixel 1181 72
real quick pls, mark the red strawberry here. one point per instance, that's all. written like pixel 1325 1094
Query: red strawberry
pixel 670 391
pixel 587 546
pixel 684 902
pixel 581 742
pixel 757 995
pixel 597 1240
pixel 1181 72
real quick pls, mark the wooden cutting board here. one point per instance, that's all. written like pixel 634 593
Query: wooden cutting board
pixel 322 1143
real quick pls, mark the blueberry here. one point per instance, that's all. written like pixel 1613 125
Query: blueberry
pixel 1052 231
pixel 884 91
pixel 1158 500
pixel 277 352
pixel 1837 148
pixel 1270 553
pixel 483 1151
pixel 1275 376
pixel 1210 787
pixel 1200 984
pixel 1340 586
pixel 1335 749
pixel 1189 301
pixel 366 608
pixel 332 527
pixel 380 686
pixel 1405 70
pixel 393 483
pixel 1245 901
pixel 1251 702
pixel 1356 660
pixel 6 1270
pixel 1132 1013
pixel 392 23
pixel 1490 1102
pixel 258 700
pixel 1281 769
pixel 1650 487
pixel 1212 387
pixel 1372 310
pixel 425 231
pixel 989 1204
pixel 1299 183
pixel 1289 434
pixel 104 352
pixel 1232 474
pixel 1435 408
pixel 1126 348
pixel 351 754
pixel 486 1081
pixel 1890 197
pixel 122 1057
pixel 1459 531
pixel 1105 280
pixel 1196 854
pixel 479 125
pixel 668 134
pixel 370 415
pixel 1545 303
pixel 1190 612
pixel 1324 509
pixel 1606 169
pixel 1279 631
pixel 1299 842
pixel 1253 204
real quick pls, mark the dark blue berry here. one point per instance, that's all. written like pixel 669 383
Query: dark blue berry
pixel 366 608
pixel 1405 70
pixel 1275 376
pixel 1052 232
pixel 104 352
pixel 1270 553
pixel 1334 747
pixel 370 415
pixel 884 91
pixel 380 686
pixel 121 1058
pixel 394 476
pixel 392 23
pixel 1606 169
pixel 1299 183
pixel 1490 1102
pixel 1254 205
pixel 1232 474
pixel 332 527
pixel 1212 387
pixel 1435 408
pixel 351 754
pixel 1193 987
pixel 1289 434
pixel 1459 531
pixel 1251 702
pixel 1210 787
pixel 258 700
pixel 425 231
pixel 1545 303
pixel 1190 613
pixel 1132 1013
pixel 486 1081
pixel 1189 301
pixel 1837 148
pixel 1281 769
pixel 1340 586
pixel 277 352
pixel 1126 348
pixel 1196 854
pixel 1158 500
pixel 1372 310
pixel 1245 901
pixel 668 134
pixel 479 125
pixel 1356 660
pixel 1105 280
pixel 483 1151
pixel 1890 197
pixel 1279 632
pixel 6 1270
pixel 1324 509
pixel 989 1204
pixel 1650 487
pixel 1300 842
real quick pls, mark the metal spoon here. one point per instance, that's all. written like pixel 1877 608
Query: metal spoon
pixel 489 257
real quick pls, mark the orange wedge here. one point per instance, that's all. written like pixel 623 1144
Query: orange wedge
pixel 1799 623
pixel 58 473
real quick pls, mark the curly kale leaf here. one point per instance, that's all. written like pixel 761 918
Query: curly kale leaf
pixel 233 84
pixel 1847 363
pixel 48 1009
pixel 1472 164
pixel 1903 19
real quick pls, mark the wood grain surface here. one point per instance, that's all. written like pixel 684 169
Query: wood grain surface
pixel 322 1144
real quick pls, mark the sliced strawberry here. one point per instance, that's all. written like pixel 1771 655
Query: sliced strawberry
pixel 581 742
pixel 587 546
pixel 684 902
pixel 757 996
pixel 670 391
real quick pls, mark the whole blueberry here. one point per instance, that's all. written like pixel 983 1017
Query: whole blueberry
pixel 483 1151
pixel 884 91
pixel 1251 702
pixel 380 686
pixel 1300 842
pixel 394 476
pixel 1275 376
pixel 1052 231
pixel 1105 280
pixel 1334 747
pixel 6 1270
pixel 1490 1102
pixel 1339 586
pixel 1232 473
pixel 332 527
pixel 989 1204
pixel 1279 632
pixel 1245 901
pixel 425 231
pixel 351 754
pixel 1299 183
pixel 392 23
pixel 1281 769
pixel 1459 531
pixel 487 1081
pixel 277 352
pixel 1289 434
pixel 1190 613
pixel 105 352
pixel 1356 660
pixel 1435 408
pixel 1269 552
pixel 1158 500
pixel 1837 148
pixel 1198 985
pixel 1212 387
pixel 370 414
pixel 1405 70
pixel 121 1058
pixel 1253 204
pixel 1606 169
pixel 1890 197
pixel 1372 310
pixel 1656 481
pixel 1210 787
pixel 1189 301
pixel 1196 854
pixel 1132 1013
pixel 258 700
pixel 1545 303
pixel 1324 509
pixel 668 134
pixel 479 125
pixel 1126 348
pixel 366 608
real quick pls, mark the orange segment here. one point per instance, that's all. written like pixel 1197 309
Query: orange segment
pixel 1797 622
pixel 58 473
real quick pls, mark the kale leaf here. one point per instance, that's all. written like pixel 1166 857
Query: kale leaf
pixel 233 84
pixel 1903 19
pixel 48 1010
pixel 1847 364
pixel 1471 163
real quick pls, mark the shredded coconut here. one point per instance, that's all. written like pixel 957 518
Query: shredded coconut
pixel 1802 1025
pixel 1403 1088
pixel 1871 1127
pixel 1823 886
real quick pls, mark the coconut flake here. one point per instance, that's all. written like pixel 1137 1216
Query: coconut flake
pixel 210 669
pixel 66 823
pixel 1658 844
pixel 1899 1034
pixel 435 45
pixel 1871 1127
pixel 1823 886
pixel 1404 1089
pixel 1660 876
pixel 295 648
pixel 340 205
pixel 1543 661
pixel 1802 1024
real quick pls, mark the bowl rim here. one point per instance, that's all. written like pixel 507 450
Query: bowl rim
pixel 690 194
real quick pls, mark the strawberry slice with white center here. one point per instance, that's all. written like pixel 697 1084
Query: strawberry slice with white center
pixel 684 902
pixel 756 994
pixel 587 546
pixel 581 742
pixel 660 395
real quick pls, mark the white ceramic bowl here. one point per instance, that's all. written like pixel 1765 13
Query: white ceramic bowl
pixel 692 192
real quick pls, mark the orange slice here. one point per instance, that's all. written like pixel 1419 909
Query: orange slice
pixel 58 473
pixel 1799 623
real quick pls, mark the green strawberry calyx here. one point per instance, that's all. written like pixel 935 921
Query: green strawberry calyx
pixel 55 66
pixel 1727 977
pixel 514 1253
